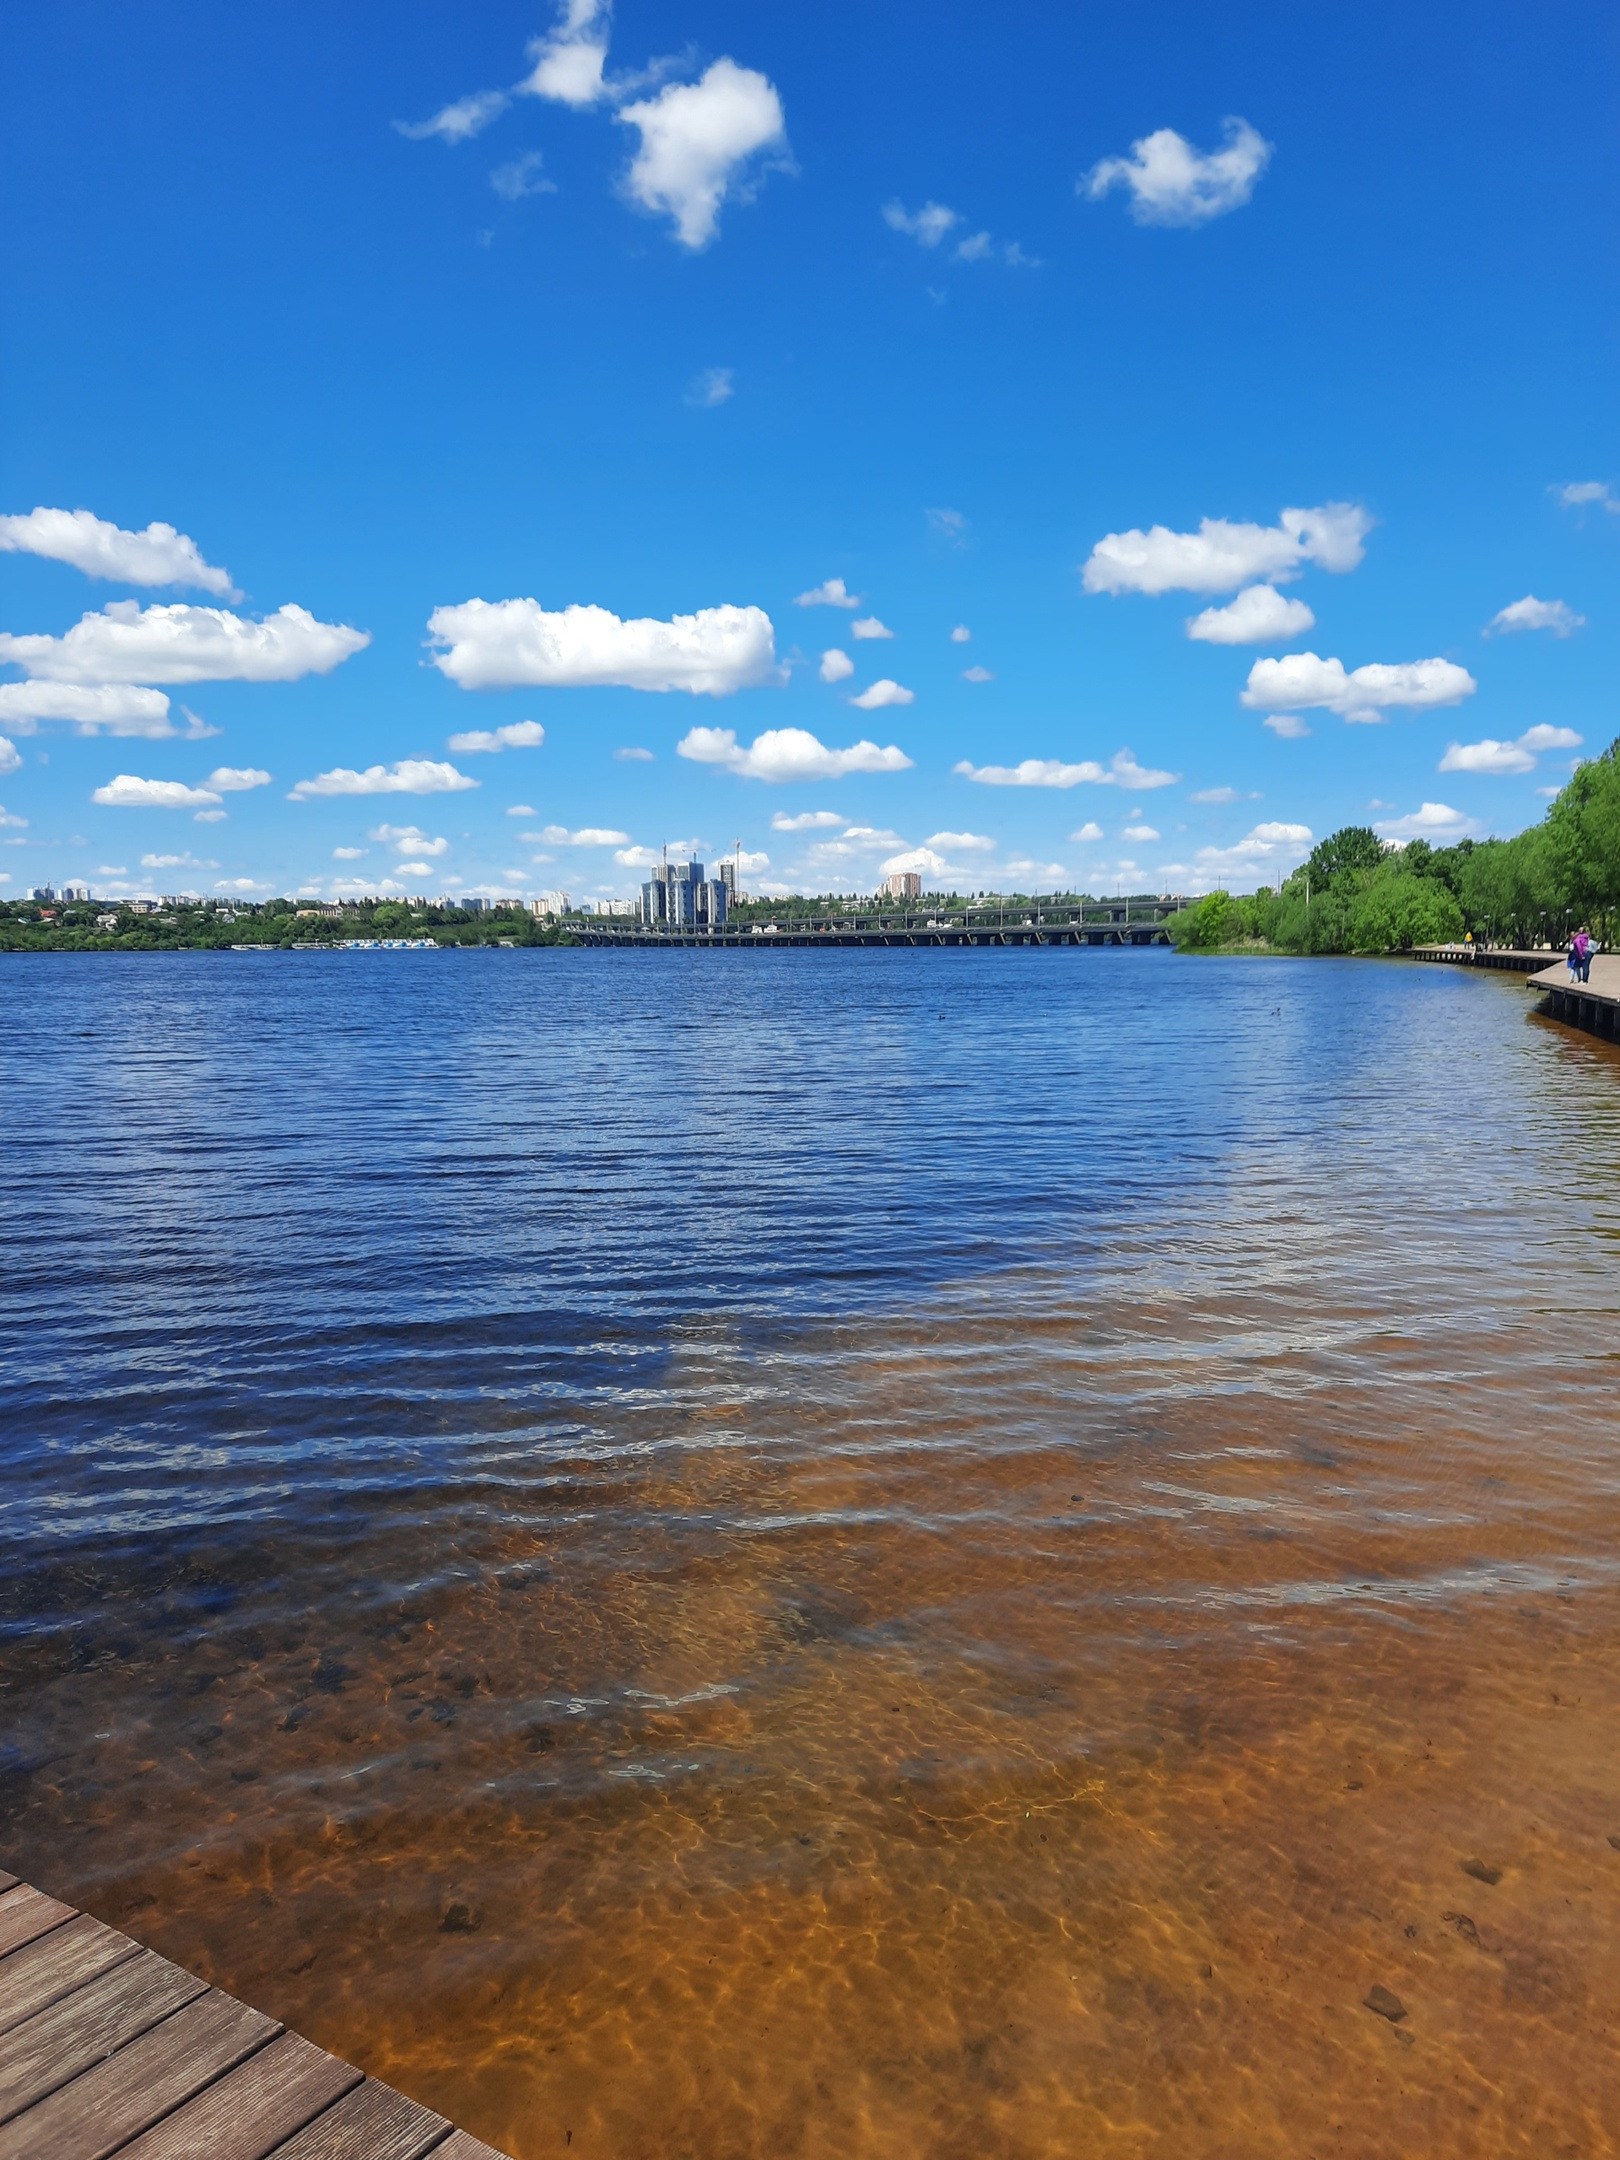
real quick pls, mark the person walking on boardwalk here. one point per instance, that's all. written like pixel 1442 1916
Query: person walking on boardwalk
pixel 1572 959
pixel 1582 952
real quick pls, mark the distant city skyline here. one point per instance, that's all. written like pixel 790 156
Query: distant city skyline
pixel 1106 456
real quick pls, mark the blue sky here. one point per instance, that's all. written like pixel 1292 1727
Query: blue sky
pixel 679 314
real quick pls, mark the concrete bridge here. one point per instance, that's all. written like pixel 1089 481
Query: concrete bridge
pixel 1100 922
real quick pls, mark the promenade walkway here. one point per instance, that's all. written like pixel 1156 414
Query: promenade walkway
pixel 107 2049
pixel 1492 956
pixel 1593 1005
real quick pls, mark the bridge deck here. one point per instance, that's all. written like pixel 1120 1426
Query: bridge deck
pixel 107 2049
pixel 942 934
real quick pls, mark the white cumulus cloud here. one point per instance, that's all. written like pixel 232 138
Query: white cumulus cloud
pixel 10 759
pixel 806 821
pixel 1289 727
pixel 506 644
pixel 783 754
pixel 569 61
pixel 1533 614
pixel 127 791
pixel 585 836
pixel 1171 183
pixel 1273 846
pixel 630 754
pixel 885 691
pixel 157 555
pixel 1304 680
pixel 831 592
pixel 697 143
pixel 1577 494
pixel 407 776
pixel 922 859
pixel 410 840
pixel 1258 616
pixel 870 626
pixel 1214 795
pixel 836 665
pixel 1223 554
pixel 236 779
pixel 1089 831
pixel 1491 756
pixel 1139 832
pixel 347 854
pixel 961 635
pixel 977 674
pixel 1430 821
pixel 93 708
pixel 127 643
pixel 1122 770
pixel 516 735
pixel 960 843
pixel 460 121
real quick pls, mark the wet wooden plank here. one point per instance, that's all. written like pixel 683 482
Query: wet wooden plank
pixel 460 2146
pixel 68 1958
pixel 371 2123
pixel 252 2110
pixel 26 1913
pixel 101 2110
pixel 81 2030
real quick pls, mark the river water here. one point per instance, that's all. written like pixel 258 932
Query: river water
pixel 896 1555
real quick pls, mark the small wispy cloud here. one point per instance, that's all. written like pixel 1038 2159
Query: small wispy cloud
pixel 713 386
pixel 457 123
pixel 522 176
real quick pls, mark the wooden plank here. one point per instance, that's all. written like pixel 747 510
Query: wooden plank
pixel 68 1958
pixel 105 2107
pixel 8 1882
pixel 26 1913
pixel 46 2050
pixel 460 2146
pixel 253 2110
pixel 371 2123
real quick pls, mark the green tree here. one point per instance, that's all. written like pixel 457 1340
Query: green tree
pixel 1352 847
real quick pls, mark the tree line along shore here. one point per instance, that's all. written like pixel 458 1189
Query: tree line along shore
pixel 1360 894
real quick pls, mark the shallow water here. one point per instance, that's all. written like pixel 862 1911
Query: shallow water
pixel 882 1554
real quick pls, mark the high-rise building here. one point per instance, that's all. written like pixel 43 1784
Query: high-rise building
pixel 901 885
pixel 678 896
pixel 549 903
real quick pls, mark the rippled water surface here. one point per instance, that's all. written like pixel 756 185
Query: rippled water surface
pixel 890 1555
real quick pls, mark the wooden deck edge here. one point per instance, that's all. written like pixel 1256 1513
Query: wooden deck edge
pixel 109 2051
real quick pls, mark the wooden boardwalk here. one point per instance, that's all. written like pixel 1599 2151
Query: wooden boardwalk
pixel 106 2048
pixel 1593 1005
pixel 1490 956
